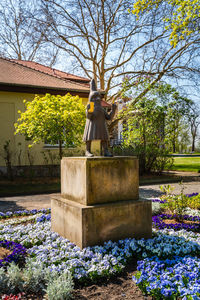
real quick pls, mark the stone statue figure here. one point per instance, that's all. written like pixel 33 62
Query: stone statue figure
pixel 95 127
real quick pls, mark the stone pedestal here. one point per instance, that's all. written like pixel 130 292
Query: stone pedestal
pixel 98 180
pixel 99 201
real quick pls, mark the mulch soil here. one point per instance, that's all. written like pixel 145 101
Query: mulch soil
pixel 121 287
pixel 4 252
pixel 174 221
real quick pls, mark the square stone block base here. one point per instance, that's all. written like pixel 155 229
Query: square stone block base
pixel 93 225
pixel 98 180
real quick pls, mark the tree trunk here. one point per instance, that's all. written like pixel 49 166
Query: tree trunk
pixel 193 144
pixel 143 156
pixel 174 145
pixel 60 149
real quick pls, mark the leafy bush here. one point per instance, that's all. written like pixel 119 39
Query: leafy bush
pixel 156 208
pixel 176 204
pixel 3 281
pixel 194 202
pixel 34 280
pixel 60 287
pixel 15 280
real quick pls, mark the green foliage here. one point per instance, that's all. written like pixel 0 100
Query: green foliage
pixel 155 124
pixel 176 204
pixel 34 281
pixel 51 119
pixel 194 202
pixel 145 123
pixel 3 281
pixel 15 280
pixel 156 208
pixel 60 287
pixel 182 22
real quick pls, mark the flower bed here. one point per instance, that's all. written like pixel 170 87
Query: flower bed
pixel 17 252
pixel 48 253
pixel 169 279
pixel 18 213
pixel 159 222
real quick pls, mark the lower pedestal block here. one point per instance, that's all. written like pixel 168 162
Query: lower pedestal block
pixel 93 225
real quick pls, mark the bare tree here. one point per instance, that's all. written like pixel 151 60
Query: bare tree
pixel 104 40
pixel 19 38
pixel 100 37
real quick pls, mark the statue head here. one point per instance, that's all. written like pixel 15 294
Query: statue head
pixel 94 94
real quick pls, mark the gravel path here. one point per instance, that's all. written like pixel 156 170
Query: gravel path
pixel 43 201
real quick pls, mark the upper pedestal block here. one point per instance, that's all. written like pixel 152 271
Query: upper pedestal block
pixel 97 180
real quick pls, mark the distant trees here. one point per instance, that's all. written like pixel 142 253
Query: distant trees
pixel 157 124
pixel 194 123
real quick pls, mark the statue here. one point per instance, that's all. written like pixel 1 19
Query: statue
pixel 95 127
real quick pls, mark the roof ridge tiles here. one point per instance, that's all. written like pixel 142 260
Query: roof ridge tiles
pixel 62 79
pixel 53 69
pixel 54 76
pixel 73 83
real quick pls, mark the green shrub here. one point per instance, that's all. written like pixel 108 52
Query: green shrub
pixel 60 287
pixel 3 281
pixel 175 204
pixel 194 202
pixel 34 279
pixel 15 279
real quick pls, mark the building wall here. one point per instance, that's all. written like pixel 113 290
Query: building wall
pixel 10 104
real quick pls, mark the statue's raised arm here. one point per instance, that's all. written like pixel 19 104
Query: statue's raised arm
pixel 96 116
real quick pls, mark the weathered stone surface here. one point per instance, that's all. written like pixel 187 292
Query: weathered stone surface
pixel 98 180
pixel 93 225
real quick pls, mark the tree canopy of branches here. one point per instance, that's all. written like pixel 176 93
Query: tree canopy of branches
pixel 100 39
pixel 105 41
pixel 183 22
pixel 19 37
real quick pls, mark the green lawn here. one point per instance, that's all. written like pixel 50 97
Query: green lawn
pixel 190 164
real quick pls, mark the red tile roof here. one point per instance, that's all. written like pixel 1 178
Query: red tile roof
pixel 51 71
pixel 13 73
pixel 30 75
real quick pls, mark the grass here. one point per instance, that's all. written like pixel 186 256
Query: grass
pixel 186 164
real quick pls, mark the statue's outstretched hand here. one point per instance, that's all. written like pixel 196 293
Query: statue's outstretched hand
pixel 114 106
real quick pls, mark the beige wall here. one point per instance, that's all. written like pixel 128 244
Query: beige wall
pixel 10 104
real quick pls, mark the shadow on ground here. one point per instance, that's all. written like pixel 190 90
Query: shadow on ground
pixel 6 206
pixel 150 192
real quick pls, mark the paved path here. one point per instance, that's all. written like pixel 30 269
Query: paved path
pixel 149 191
pixel 25 202
pixel 43 201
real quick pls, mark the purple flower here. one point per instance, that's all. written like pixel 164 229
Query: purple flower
pixel 160 224
pixel 24 213
pixel 18 251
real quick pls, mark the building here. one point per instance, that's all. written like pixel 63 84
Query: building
pixel 21 80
